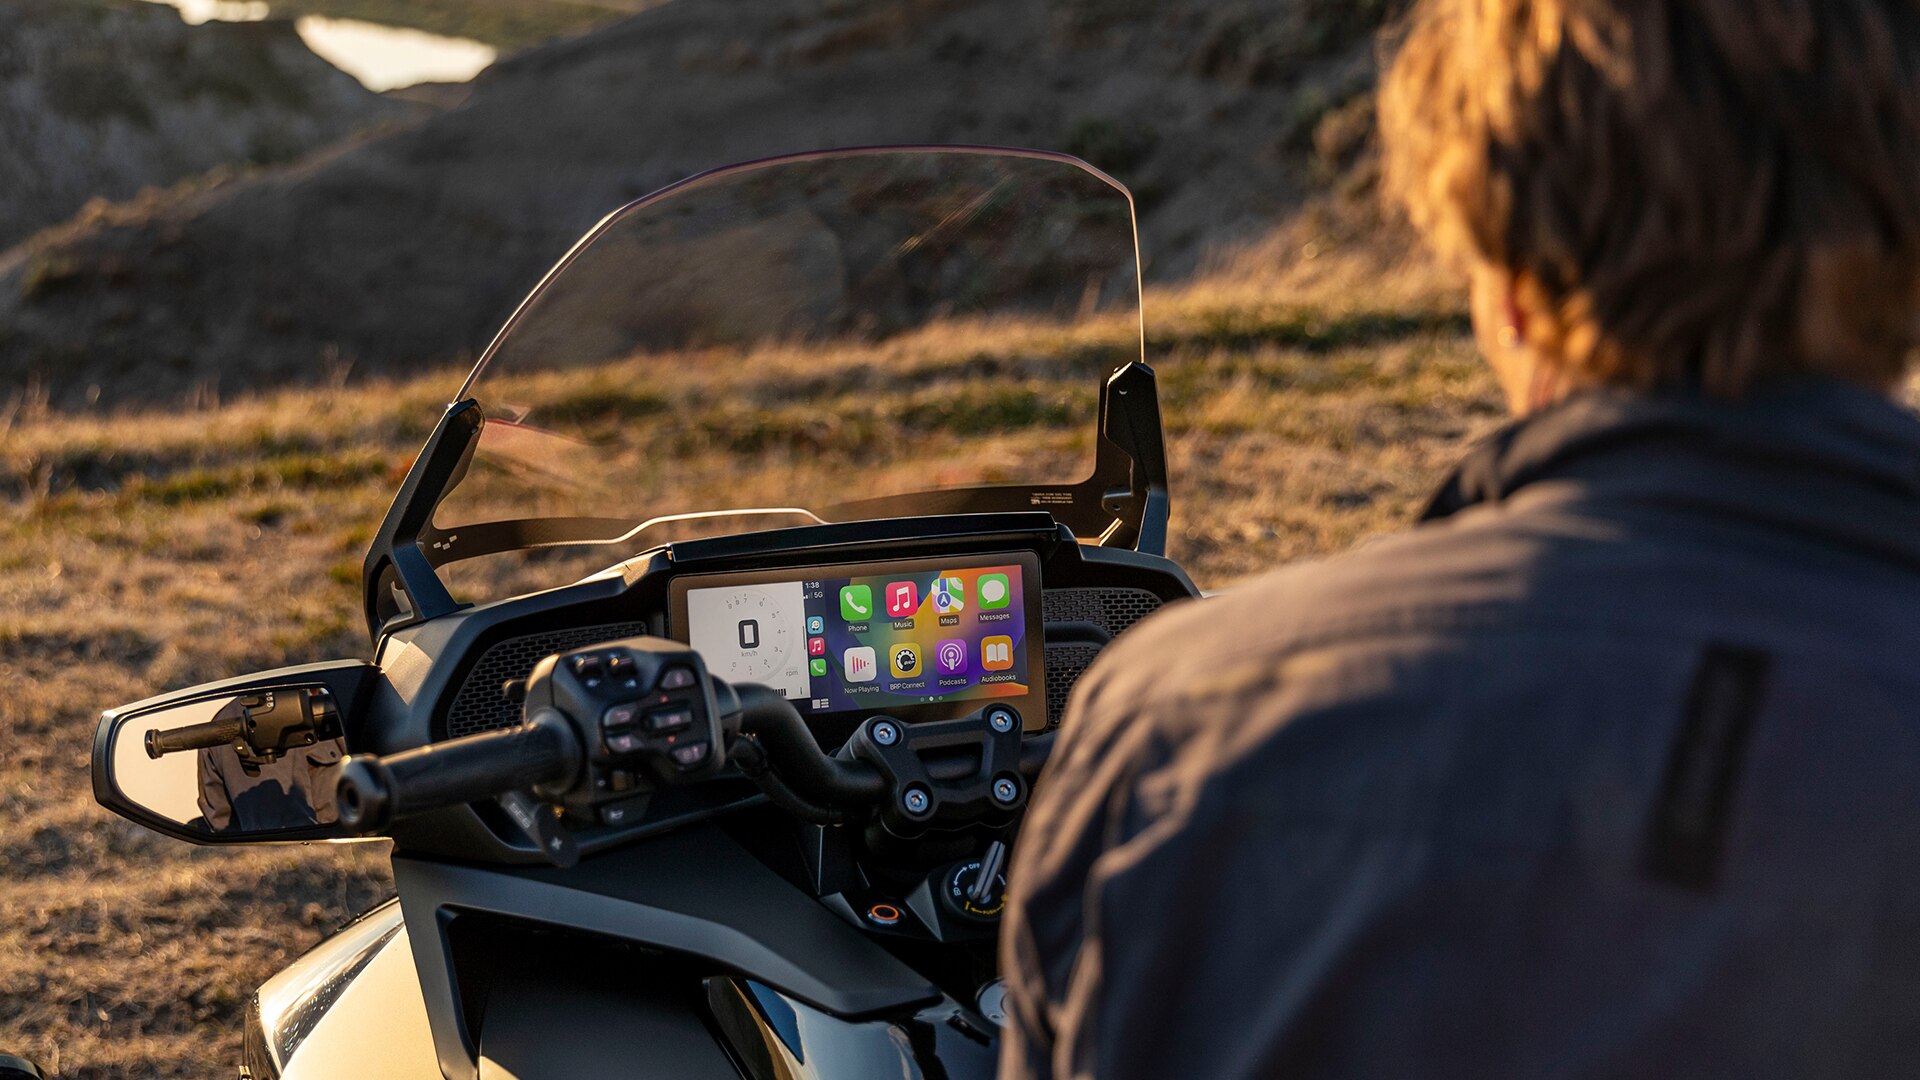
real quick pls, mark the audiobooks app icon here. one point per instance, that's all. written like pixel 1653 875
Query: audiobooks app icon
pixel 861 664
pixel 996 653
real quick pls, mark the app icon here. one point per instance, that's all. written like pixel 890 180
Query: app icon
pixel 860 664
pixel 949 595
pixel 856 603
pixel 816 624
pixel 818 666
pixel 817 646
pixel 996 653
pixel 906 662
pixel 995 592
pixel 951 657
pixel 903 599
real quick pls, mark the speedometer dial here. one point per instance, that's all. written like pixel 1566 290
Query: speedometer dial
pixel 762 626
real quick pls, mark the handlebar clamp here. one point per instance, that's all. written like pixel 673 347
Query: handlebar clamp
pixel 947 774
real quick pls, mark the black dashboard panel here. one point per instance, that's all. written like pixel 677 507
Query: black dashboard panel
pixel 447 674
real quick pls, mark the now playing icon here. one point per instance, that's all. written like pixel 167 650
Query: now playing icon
pixel 951 657
pixel 861 664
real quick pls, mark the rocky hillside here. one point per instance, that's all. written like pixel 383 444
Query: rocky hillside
pixel 102 99
pixel 409 249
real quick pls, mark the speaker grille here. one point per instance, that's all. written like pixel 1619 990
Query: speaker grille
pixel 1112 610
pixel 480 706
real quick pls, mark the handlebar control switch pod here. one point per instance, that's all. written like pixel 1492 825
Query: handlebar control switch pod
pixel 645 712
pixel 605 726
pixel 948 774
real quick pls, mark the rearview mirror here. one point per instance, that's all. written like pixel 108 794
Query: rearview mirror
pixel 243 761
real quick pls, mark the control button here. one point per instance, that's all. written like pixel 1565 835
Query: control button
pixel 622 780
pixel 620 669
pixel 625 812
pixel 677 678
pixel 671 720
pixel 588 669
pixel 625 742
pixel 619 715
pixel 690 755
pixel 883 915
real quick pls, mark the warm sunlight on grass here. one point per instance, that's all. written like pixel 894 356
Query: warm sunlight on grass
pixel 1306 408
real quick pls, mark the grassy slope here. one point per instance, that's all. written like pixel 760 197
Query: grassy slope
pixel 1306 409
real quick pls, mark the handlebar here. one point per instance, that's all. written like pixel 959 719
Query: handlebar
pixel 764 736
pixel 769 717
pixel 215 732
pixel 375 791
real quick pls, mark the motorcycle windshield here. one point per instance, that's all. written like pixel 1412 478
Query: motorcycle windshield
pixel 791 342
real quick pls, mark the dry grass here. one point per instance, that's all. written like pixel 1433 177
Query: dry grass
pixel 1308 406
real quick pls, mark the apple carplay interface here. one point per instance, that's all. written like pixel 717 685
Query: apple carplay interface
pixel 874 637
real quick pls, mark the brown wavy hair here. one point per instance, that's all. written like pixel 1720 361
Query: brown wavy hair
pixel 1702 194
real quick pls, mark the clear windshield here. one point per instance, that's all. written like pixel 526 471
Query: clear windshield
pixel 793 337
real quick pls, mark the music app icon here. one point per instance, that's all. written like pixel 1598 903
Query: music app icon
pixel 903 599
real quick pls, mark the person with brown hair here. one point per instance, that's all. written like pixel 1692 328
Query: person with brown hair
pixel 1611 767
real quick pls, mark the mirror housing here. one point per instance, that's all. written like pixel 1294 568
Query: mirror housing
pixel 243 761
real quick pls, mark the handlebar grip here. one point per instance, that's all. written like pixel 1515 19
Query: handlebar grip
pixel 194 737
pixel 374 792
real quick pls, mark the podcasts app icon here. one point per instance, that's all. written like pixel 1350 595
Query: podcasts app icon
pixel 951 657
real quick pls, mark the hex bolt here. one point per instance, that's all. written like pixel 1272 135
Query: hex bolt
pixel 1001 720
pixel 1005 791
pixel 885 733
pixel 916 800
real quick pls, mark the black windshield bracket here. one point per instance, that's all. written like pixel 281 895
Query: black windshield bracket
pixel 398 576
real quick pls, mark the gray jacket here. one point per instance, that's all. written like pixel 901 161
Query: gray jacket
pixel 1610 769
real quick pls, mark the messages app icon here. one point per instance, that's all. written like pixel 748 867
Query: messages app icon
pixel 856 603
pixel 995 592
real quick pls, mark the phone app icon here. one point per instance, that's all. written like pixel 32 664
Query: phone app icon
pixel 906 662
pixel 818 666
pixel 817 646
pixel 949 595
pixel 856 603
pixel 816 624
pixel 903 599
pixel 995 592
pixel 996 653
pixel 860 664
pixel 951 656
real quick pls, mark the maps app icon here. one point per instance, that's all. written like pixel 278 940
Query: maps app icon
pixel 949 595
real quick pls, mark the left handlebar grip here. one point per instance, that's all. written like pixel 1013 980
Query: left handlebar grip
pixel 374 792
pixel 216 732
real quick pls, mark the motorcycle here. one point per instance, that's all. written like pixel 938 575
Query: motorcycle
pixel 693 771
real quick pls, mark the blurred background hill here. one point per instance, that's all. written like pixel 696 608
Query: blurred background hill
pixel 1223 117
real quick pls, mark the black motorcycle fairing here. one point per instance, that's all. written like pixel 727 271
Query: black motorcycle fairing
pixel 734 912
pixel 430 665
pixel 776 1037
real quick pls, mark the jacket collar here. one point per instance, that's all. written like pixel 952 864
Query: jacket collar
pixel 1811 456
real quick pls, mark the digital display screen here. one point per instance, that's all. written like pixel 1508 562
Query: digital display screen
pixel 871 638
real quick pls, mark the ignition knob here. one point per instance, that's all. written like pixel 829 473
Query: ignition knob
pixel 977 889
